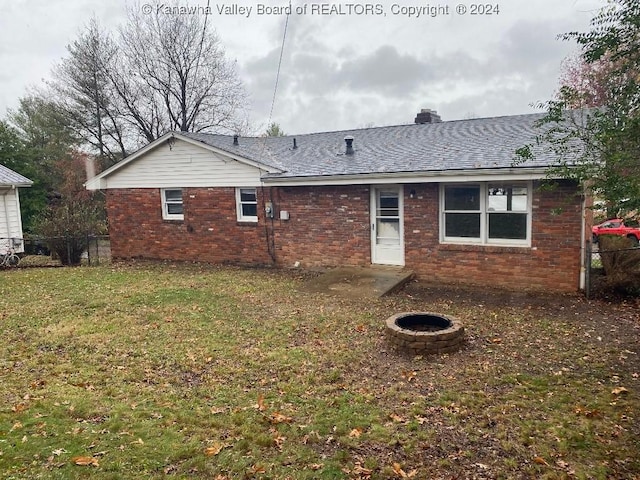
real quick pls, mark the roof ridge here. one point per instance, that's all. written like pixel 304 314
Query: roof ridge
pixel 363 129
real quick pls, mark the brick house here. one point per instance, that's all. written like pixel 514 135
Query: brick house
pixel 443 199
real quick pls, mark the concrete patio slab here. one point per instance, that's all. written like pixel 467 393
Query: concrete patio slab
pixel 359 282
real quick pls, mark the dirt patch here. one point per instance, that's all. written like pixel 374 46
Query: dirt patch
pixel 612 319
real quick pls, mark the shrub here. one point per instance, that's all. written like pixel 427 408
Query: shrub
pixel 621 264
pixel 67 227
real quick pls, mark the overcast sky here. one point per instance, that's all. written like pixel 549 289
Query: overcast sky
pixel 345 65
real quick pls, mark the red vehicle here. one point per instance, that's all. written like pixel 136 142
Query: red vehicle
pixel 616 226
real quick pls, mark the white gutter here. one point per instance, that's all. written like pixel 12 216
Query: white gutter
pixel 411 177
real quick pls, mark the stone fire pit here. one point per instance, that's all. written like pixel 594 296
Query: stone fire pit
pixel 425 332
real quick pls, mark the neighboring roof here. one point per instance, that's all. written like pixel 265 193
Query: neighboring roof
pixel 482 145
pixel 13 179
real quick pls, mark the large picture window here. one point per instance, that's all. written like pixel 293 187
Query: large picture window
pixel 172 208
pixel 486 213
pixel 247 204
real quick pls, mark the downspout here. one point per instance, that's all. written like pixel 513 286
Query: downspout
pixel 583 241
pixel 269 236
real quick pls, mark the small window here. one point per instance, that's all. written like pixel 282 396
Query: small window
pixel 172 208
pixel 247 204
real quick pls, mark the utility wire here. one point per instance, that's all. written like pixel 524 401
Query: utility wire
pixel 275 88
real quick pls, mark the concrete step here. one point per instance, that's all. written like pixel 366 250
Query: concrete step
pixel 360 282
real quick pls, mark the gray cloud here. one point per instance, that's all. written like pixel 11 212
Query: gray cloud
pixel 342 72
pixel 384 71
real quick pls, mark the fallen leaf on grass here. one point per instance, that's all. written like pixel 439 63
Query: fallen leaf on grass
pixel 38 384
pixel 278 440
pixel 276 417
pixel 360 470
pixel 540 461
pixel 257 469
pixel 619 391
pixel 397 469
pixel 396 418
pixel 585 412
pixel 420 420
pixel 261 405
pixel 85 461
pixel 19 408
pixel 355 433
pixel 409 376
pixel 316 466
pixel 214 449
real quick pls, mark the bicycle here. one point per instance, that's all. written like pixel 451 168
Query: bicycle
pixel 9 258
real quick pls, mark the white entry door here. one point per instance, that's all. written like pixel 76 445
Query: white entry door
pixel 387 225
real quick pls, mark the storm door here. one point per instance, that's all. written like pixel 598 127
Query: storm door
pixel 387 236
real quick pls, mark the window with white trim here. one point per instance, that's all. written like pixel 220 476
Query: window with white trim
pixel 172 208
pixel 247 204
pixel 486 213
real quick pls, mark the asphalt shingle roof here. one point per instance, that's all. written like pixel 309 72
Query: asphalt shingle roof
pixel 484 143
pixel 10 178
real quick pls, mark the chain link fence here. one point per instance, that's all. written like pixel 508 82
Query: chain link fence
pixel 608 268
pixel 68 250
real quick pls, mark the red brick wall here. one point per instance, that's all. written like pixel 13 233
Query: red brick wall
pixel 209 232
pixel 329 226
pixel 551 263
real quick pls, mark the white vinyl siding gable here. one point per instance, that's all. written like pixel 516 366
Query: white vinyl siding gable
pixel 185 164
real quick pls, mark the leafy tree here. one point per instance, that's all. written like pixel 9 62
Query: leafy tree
pixel 44 140
pixel 600 148
pixel 43 129
pixel 15 155
pixel 274 130
pixel 584 84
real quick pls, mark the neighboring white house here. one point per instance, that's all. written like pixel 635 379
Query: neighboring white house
pixel 10 218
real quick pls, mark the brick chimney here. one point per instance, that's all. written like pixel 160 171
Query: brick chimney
pixel 427 116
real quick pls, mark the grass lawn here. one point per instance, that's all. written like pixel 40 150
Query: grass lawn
pixel 185 371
